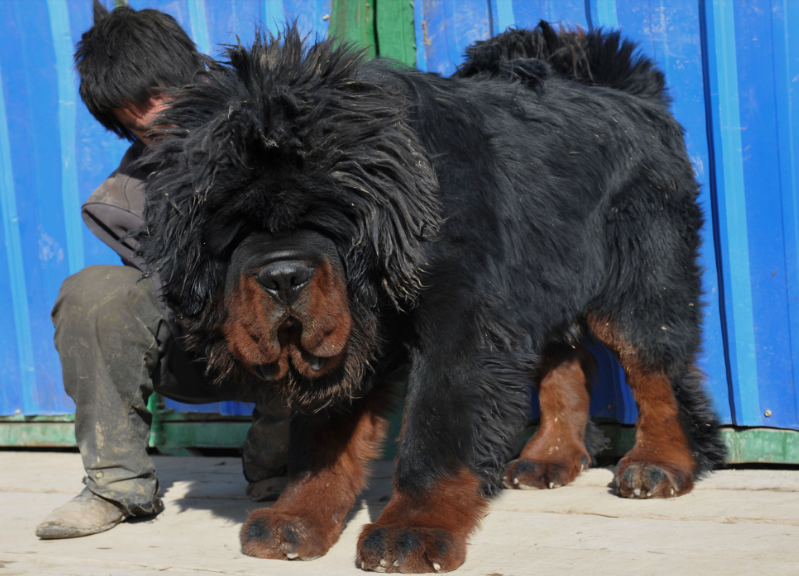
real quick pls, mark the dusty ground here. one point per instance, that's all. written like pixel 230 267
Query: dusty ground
pixel 735 522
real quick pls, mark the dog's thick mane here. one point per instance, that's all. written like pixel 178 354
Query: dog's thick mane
pixel 286 136
pixel 277 113
pixel 597 57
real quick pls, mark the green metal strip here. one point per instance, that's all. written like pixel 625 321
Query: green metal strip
pixel 155 404
pixel 354 21
pixel 761 445
pixel 744 445
pixel 179 436
pixel 204 434
pixel 396 37
pixel 38 434
pixel 171 416
pixel 46 418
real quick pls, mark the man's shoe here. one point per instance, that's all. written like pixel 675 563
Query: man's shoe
pixel 85 514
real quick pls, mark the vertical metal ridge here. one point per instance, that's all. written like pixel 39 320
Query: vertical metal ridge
pixel 199 25
pixel 421 35
pixel 501 14
pixel 606 14
pixel 16 267
pixel 732 212
pixel 67 96
pixel 272 15
pixel 785 50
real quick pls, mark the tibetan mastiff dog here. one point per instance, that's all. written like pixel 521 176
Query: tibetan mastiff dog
pixel 321 222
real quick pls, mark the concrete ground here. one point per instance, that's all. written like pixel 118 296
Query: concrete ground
pixel 734 522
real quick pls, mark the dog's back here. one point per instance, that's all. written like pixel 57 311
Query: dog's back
pixel 597 57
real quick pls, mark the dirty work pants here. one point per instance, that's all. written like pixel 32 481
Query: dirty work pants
pixel 116 349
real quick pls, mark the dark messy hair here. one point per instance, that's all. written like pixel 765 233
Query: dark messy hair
pixel 127 56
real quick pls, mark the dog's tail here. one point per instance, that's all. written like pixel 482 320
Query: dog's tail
pixel 597 57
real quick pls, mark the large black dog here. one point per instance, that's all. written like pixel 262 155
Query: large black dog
pixel 320 221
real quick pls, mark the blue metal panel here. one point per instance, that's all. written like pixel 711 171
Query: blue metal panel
pixel 18 368
pixel 762 197
pixel 752 103
pixel 785 17
pixel 602 13
pixel 760 252
pixel 444 28
pixel 567 13
pixel 312 16
pixel 37 256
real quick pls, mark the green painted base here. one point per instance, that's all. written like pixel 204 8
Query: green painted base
pixel 182 434
pixel 744 445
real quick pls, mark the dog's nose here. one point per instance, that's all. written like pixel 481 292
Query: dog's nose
pixel 285 280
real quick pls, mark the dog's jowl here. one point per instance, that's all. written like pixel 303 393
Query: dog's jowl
pixel 324 225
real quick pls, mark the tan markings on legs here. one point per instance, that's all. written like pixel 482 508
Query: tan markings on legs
pixel 308 517
pixel 556 454
pixel 661 463
pixel 427 532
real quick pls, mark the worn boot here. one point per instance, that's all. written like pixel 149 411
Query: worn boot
pixel 85 514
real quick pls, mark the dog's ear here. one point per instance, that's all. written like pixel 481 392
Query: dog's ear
pixel 99 11
pixel 392 187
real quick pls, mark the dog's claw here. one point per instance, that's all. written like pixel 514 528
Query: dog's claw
pixel 637 491
pixel 383 563
pixel 316 362
pixel 436 566
pixel 291 556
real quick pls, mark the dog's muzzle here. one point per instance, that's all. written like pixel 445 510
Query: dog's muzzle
pixel 287 305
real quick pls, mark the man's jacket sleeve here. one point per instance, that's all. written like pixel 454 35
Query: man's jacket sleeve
pixel 116 208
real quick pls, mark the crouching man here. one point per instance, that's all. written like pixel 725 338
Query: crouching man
pixel 116 340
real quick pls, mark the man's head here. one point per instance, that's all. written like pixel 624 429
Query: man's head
pixel 126 60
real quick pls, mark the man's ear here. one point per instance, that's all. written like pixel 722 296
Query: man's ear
pixel 100 11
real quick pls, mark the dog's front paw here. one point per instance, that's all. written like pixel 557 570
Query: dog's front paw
pixel 525 474
pixel 652 480
pixel 270 533
pixel 409 549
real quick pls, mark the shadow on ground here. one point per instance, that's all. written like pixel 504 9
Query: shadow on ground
pixel 218 485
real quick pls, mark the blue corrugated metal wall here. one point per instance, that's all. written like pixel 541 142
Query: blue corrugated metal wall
pixel 733 69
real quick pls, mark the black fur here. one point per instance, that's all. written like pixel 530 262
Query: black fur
pixel 597 57
pixel 477 218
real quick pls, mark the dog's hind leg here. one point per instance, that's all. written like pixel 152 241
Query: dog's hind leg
pixel 664 459
pixel 557 453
